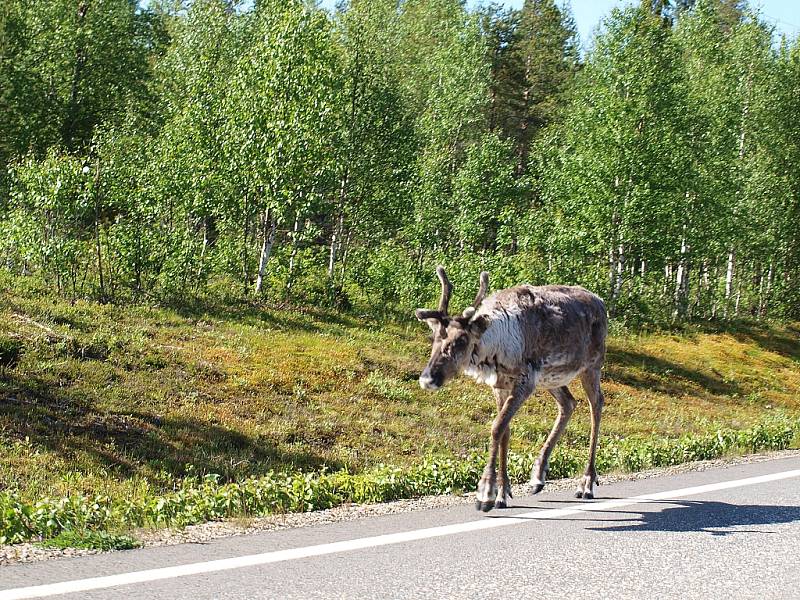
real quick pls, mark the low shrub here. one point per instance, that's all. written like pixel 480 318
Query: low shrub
pixel 10 351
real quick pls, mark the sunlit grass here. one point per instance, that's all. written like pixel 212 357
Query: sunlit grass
pixel 125 401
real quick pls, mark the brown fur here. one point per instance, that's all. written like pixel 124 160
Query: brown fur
pixel 517 340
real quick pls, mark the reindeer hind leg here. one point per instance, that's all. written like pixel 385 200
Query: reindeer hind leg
pixel 566 406
pixel 591 385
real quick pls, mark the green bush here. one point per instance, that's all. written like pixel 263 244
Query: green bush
pixel 10 351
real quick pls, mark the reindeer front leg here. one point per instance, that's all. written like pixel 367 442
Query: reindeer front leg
pixel 503 482
pixel 487 486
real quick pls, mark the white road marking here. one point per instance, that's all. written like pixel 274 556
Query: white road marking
pixel 97 583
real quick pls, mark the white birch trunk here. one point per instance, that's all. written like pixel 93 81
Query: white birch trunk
pixel 729 275
pixel 345 245
pixel 681 279
pixel 335 243
pixel 619 273
pixel 714 293
pixel 268 231
pixel 729 280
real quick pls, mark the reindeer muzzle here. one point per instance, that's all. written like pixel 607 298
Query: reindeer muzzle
pixel 426 382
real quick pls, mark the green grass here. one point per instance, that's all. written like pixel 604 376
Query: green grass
pixel 130 403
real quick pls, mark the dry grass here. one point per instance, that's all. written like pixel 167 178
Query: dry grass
pixel 123 401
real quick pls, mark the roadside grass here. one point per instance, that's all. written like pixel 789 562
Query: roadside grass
pixel 90 540
pixel 80 519
pixel 132 404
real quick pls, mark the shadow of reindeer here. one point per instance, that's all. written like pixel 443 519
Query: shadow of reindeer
pixel 715 518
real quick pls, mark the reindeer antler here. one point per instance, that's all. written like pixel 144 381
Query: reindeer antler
pixel 447 289
pixel 484 279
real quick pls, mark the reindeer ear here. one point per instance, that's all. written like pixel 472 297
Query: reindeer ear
pixel 478 326
pixel 424 314
pixel 469 312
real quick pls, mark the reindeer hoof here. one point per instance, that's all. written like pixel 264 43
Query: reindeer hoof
pixel 588 496
pixel 484 506
pixel 579 494
pixel 537 488
pixel 500 504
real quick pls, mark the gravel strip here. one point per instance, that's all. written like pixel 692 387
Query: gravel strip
pixel 26 553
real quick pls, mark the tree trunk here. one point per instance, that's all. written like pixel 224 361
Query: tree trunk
pixel 729 280
pixel 336 242
pixel 681 281
pixel 336 234
pixel 714 291
pixel 617 275
pixel 245 229
pixel 97 231
pixel 268 229
pixel 702 287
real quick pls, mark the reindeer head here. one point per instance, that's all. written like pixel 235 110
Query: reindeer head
pixel 453 337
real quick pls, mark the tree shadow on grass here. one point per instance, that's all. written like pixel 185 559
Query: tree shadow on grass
pixel 784 340
pixel 280 317
pixel 284 317
pixel 661 375
pixel 715 518
pixel 135 443
pixel 785 343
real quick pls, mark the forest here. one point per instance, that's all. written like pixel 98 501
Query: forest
pixel 174 150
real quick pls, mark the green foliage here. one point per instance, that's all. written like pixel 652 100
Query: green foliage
pixel 74 67
pixel 336 158
pixel 80 521
pixel 488 196
pixel 48 224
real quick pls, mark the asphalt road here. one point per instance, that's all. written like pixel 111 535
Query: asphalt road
pixel 725 533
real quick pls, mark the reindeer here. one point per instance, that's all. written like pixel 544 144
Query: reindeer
pixel 516 340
